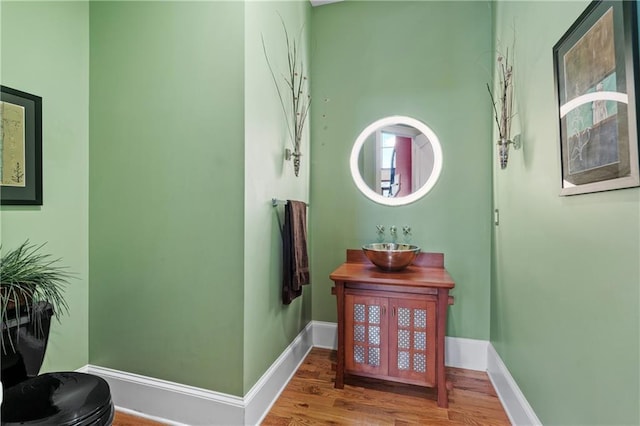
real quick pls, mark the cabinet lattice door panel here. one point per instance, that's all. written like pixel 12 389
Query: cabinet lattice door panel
pixel 412 340
pixel 366 334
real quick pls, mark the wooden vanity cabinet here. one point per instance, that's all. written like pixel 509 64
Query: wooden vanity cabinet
pixel 390 337
pixel 391 325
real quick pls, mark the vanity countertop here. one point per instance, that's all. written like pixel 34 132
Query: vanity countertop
pixel 423 272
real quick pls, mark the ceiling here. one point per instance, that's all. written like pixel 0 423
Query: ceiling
pixel 321 2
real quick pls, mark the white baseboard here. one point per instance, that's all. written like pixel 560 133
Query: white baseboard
pixel 148 417
pixel 325 334
pixel 470 354
pixel 515 404
pixel 173 403
pixel 263 394
pixel 177 404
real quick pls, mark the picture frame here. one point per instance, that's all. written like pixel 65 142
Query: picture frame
pixel 20 148
pixel 595 68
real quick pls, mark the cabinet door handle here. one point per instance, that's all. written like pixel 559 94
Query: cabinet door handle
pixel 393 311
pixel 384 310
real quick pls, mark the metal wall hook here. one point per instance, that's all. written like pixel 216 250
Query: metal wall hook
pixel 289 154
pixel 517 141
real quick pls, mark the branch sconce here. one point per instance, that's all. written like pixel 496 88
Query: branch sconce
pixel 294 95
pixel 503 108
pixel 503 149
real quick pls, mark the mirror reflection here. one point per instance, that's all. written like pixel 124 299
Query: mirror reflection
pixel 396 160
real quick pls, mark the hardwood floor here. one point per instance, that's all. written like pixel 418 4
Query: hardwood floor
pixel 310 398
pixel 123 419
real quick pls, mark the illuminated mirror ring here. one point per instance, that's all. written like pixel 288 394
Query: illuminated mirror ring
pixel 375 127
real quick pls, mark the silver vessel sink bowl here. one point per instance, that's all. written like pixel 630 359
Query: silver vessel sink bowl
pixel 391 256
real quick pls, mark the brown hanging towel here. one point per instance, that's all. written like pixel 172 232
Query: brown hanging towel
pixel 295 271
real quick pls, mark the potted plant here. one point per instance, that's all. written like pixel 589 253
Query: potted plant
pixel 27 278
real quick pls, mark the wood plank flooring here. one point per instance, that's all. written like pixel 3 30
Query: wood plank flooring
pixel 123 419
pixel 310 398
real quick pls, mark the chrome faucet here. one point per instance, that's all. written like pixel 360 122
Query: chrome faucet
pixel 406 231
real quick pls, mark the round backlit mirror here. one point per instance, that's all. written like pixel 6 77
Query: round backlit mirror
pixel 396 160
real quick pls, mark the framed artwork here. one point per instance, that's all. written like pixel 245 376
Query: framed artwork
pixel 596 64
pixel 20 148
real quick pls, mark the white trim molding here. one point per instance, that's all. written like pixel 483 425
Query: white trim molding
pixel 470 354
pixel 179 405
pixel 265 392
pixel 148 417
pixel 170 402
pixel 325 334
pixel 515 404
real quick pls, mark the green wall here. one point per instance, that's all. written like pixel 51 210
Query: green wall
pixel 167 190
pixel 269 325
pixel 430 61
pixel 565 294
pixel 45 51
pixel 186 142
pixel 168 222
